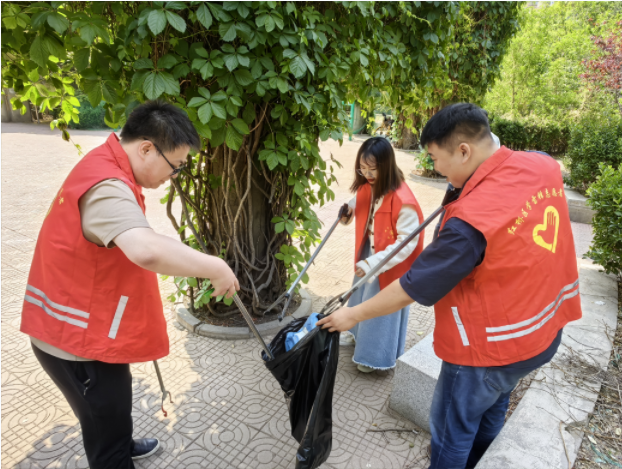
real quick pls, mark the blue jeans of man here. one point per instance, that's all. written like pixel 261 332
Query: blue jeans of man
pixel 469 406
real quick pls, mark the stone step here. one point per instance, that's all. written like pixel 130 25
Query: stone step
pixel 579 211
pixel 415 378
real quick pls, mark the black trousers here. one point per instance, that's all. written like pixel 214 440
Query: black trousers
pixel 100 395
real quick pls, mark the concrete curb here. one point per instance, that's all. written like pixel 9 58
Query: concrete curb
pixel 417 178
pixel 192 324
pixel 578 208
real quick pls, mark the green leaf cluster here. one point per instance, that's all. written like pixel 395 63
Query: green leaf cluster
pixel 592 143
pixel 605 197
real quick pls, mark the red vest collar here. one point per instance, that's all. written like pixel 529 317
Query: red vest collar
pixel 485 169
pixel 121 157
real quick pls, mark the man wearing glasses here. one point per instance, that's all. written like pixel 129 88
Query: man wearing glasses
pixel 92 304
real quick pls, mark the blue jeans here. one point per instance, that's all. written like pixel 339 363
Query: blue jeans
pixel 469 406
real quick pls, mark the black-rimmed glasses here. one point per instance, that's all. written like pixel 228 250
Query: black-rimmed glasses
pixel 176 171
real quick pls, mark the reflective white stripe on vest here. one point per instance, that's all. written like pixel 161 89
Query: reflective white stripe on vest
pixel 536 326
pixel 54 314
pixel 461 329
pixel 64 309
pixel 117 317
pixel 518 325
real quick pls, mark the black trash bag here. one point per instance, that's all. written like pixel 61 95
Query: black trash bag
pixel 307 376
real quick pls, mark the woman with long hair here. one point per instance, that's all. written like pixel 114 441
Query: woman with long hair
pixel 385 211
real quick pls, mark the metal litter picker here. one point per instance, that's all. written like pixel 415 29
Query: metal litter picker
pixel 287 296
pixel 338 301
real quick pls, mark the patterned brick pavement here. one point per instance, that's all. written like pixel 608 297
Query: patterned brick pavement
pixel 228 411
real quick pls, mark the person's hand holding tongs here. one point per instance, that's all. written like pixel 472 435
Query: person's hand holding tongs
pixel 340 318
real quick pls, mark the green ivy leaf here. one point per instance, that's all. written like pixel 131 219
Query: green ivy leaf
pixel 282 85
pixel 227 31
pixel 143 63
pixel 206 71
pixel 203 129
pixel 219 110
pixel 175 5
pixel 138 79
pixel 88 33
pixel 249 113
pixel 233 139
pixel 58 22
pixel 171 86
pixel 181 70
pixel 218 137
pixel 231 61
pixel 38 52
pixel 196 102
pixel 204 16
pixel 167 61
pixel 205 112
pixel 81 59
pixel 38 19
pixel 273 161
pixel 298 67
pixel 157 21
pixel 243 77
pixel 176 21
pixel 153 86
pixel 93 91
pixel 109 92
pixel 240 126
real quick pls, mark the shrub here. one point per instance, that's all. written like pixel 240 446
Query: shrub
pixel 593 142
pixel 90 117
pixel 606 199
pixel 530 134
pixel 425 164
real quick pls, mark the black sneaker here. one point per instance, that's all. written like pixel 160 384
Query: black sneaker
pixel 145 447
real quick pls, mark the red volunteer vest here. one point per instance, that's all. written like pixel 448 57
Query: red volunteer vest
pixel 88 300
pixel 512 305
pixel 385 227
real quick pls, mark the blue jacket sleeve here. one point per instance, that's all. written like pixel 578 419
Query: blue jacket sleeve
pixel 453 255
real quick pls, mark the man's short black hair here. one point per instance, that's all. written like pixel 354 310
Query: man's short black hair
pixel 164 124
pixel 455 122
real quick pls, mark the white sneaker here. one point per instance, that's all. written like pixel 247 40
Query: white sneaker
pixel 346 339
pixel 365 369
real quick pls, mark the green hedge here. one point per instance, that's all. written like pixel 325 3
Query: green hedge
pixel 90 117
pixel 606 199
pixel 593 142
pixel 550 137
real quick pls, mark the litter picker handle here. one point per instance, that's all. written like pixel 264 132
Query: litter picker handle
pixel 346 296
pixel 343 211
pixel 251 325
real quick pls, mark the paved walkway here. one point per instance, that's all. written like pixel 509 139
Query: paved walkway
pixel 228 411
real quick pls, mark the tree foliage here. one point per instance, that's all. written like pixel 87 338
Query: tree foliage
pixel 540 74
pixel 262 82
pixel 481 34
pixel 604 72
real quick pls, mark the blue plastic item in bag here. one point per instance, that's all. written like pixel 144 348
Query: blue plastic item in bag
pixel 292 338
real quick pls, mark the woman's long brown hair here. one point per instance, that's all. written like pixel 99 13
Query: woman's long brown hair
pixel 390 177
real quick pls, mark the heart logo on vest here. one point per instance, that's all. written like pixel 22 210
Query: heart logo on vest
pixel 551 220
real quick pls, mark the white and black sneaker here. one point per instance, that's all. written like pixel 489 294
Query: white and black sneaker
pixel 145 447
